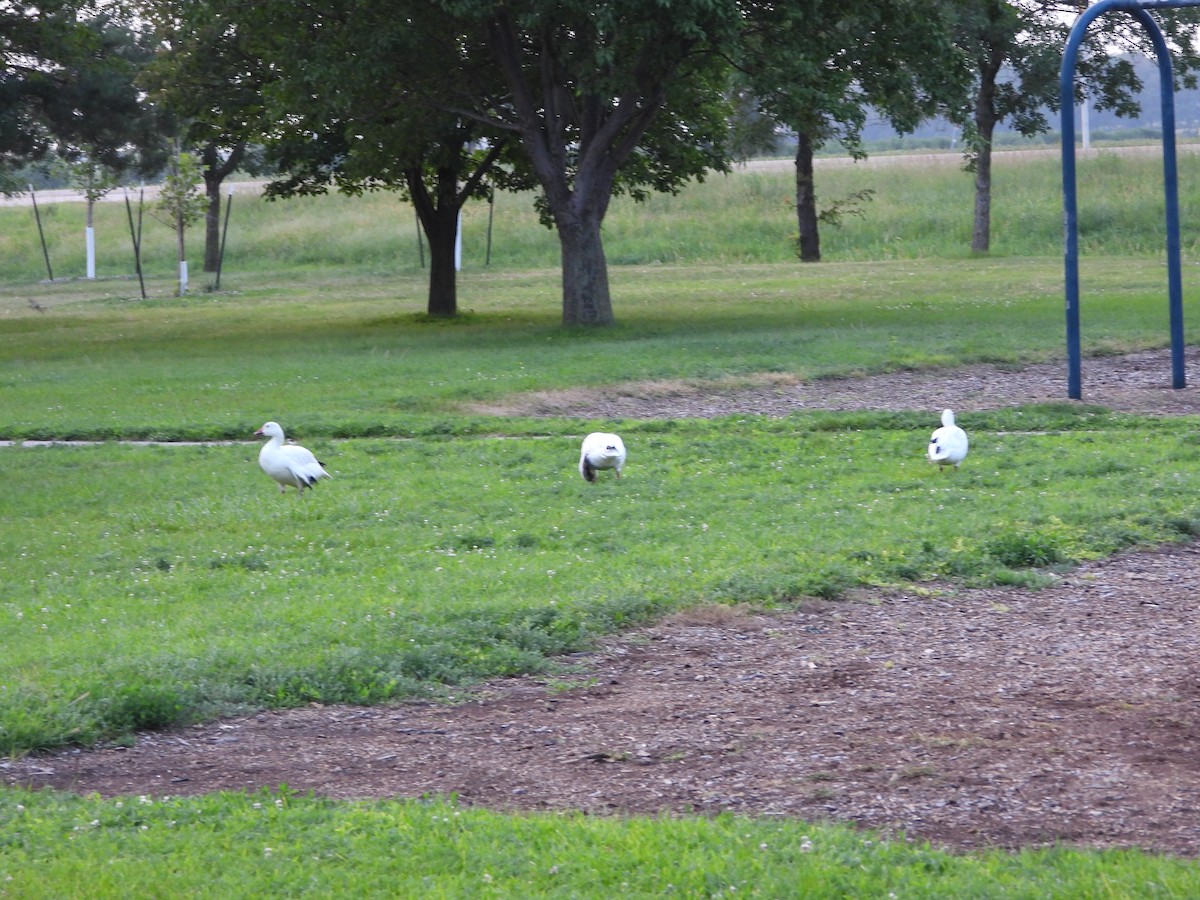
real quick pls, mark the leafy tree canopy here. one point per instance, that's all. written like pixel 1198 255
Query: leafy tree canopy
pixel 821 66
pixel 604 97
pixel 67 73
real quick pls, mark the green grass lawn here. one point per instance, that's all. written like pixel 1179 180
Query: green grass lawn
pixel 338 358
pixel 142 587
pixel 145 586
pixel 280 844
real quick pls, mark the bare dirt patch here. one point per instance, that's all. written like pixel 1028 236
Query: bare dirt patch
pixel 970 718
pixel 1134 383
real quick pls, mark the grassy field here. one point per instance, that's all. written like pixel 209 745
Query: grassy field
pixel 914 211
pixel 147 586
pixel 334 356
pixel 279 844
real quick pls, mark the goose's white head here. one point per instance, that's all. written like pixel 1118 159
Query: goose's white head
pixel 271 430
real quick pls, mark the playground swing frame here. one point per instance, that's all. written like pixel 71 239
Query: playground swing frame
pixel 1139 9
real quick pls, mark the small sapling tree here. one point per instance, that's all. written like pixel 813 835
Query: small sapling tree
pixel 94 180
pixel 181 199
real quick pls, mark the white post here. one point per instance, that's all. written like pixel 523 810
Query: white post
pixel 182 277
pixel 91 252
pixel 458 243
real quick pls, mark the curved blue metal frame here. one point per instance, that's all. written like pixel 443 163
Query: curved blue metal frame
pixel 1138 8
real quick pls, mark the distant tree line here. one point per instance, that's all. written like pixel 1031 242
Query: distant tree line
pixel 443 101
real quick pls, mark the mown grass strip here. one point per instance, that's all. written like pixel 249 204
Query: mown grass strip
pixel 351 366
pixel 279 843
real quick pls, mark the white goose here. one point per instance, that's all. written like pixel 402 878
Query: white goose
pixel 601 451
pixel 288 463
pixel 948 445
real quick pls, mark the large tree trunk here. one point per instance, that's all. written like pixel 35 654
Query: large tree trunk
pixel 578 216
pixel 586 298
pixel 576 169
pixel 806 201
pixel 981 234
pixel 985 127
pixel 212 223
pixel 438 215
pixel 215 172
pixel 443 279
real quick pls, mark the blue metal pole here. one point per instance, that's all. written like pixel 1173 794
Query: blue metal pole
pixel 1066 97
pixel 1171 193
pixel 1170 181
